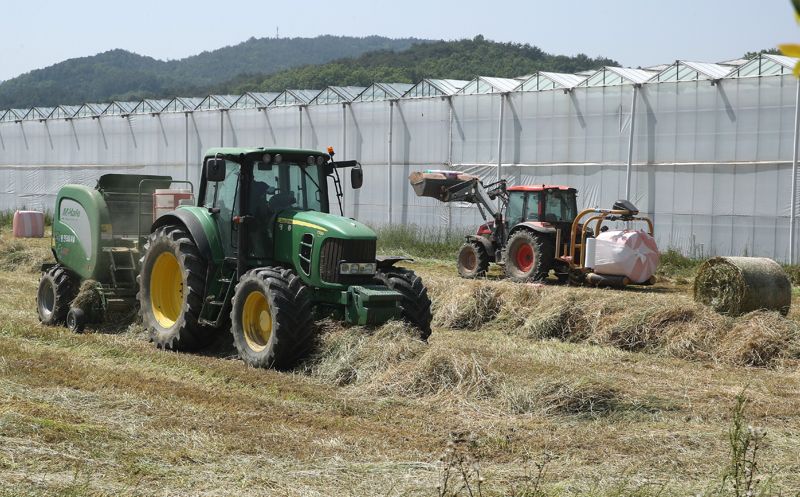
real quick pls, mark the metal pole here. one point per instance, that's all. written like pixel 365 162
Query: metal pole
pixel 500 138
pixel 630 145
pixel 792 233
pixel 221 128
pixel 186 143
pixel 301 127
pixel 450 155
pixel 344 153
pixel 389 161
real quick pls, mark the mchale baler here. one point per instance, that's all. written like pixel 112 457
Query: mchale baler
pixel 532 230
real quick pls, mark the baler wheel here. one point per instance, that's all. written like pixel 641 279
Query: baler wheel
pixel 57 289
pixel 415 305
pixel 473 261
pixel 271 318
pixel 171 290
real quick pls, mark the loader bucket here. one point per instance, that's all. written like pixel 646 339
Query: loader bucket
pixel 434 184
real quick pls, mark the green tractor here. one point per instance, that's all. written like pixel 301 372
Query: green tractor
pixel 259 254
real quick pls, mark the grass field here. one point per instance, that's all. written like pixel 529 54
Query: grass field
pixel 521 390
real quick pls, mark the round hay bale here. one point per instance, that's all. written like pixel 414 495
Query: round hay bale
pixel 737 285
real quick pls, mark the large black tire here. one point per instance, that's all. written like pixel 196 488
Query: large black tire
pixel 415 306
pixel 271 318
pixel 57 289
pixel 529 257
pixel 473 260
pixel 171 290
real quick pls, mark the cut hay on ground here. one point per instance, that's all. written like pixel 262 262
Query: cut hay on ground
pixel 634 320
pixel 737 285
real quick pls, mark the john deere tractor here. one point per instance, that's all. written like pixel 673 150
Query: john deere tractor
pixel 260 255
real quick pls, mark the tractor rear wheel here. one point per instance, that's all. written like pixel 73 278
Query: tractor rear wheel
pixel 171 290
pixel 57 289
pixel 271 318
pixel 415 306
pixel 529 257
pixel 473 260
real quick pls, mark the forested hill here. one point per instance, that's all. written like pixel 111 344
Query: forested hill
pixel 277 64
pixel 462 59
pixel 119 74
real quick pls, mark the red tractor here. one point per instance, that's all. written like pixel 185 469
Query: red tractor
pixel 531 230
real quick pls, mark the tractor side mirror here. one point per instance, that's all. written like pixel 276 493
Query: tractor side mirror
pixel 356 177
pixel 215 169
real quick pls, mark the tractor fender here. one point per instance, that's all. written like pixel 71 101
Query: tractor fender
pixel 536 226
pixel 199 230
pixel 487 244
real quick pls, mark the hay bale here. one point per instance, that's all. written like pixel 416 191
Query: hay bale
pixel 737 285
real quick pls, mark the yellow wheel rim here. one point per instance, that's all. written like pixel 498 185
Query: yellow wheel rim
pixel 166 289
pixel 256 321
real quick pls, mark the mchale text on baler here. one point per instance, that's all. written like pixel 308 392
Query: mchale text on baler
pixel 259 255
pixel 533 229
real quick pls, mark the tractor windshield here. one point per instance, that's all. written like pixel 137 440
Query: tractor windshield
pixel 287 185
pixel 560 206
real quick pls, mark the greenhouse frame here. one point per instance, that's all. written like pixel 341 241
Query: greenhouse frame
pixel 708 150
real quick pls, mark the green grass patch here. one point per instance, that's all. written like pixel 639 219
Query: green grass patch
pixel 421 242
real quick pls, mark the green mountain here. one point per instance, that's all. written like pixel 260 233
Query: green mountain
pixel 276 64
pixel 462 59
pixel 125 75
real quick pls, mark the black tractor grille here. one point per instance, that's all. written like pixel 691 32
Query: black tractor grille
pixel 336 250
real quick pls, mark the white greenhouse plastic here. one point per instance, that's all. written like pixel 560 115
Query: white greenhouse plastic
pixel 711 158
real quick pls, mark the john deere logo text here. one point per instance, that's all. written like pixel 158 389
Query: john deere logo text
pixel 70 212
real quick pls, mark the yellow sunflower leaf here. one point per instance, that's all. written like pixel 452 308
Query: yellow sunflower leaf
pixel 790 49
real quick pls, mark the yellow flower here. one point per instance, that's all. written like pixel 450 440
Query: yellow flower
pixel 792 50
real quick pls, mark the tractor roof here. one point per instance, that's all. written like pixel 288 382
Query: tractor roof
pixel 539 188
pixel 239 151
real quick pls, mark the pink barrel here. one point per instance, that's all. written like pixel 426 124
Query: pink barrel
pixel 626 253
pixel 28 224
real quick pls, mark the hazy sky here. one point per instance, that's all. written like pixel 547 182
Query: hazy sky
pixel 38 33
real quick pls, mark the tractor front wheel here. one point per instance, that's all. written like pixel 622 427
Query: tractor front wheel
pixel 271 318
pixel 57 288
pixel 171 290
pixel 415 305
pixel 473 260
pixel 529 257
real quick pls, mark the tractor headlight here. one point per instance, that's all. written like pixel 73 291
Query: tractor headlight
pixel 320 160
pixel 357 268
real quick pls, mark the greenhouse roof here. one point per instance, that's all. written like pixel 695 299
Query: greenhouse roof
pixel 680 70
pixel 684 70
pixel 337 94
pixel 383 91
pixel 485 84
pixel 435 88
pixel 253 100
pixel 217 102
pixel 90 110
pixel 117 108
pixel 63 112
pixel 765 65
pixel 38 113
pixel 294 97
pixel 550 80
pixel 613 76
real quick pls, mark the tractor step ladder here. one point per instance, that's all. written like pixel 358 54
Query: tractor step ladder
pixel 211 300
pixel 122 264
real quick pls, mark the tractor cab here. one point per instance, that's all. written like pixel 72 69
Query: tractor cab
pixel 542 204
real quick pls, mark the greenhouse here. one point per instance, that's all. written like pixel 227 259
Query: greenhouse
pixel 708 150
